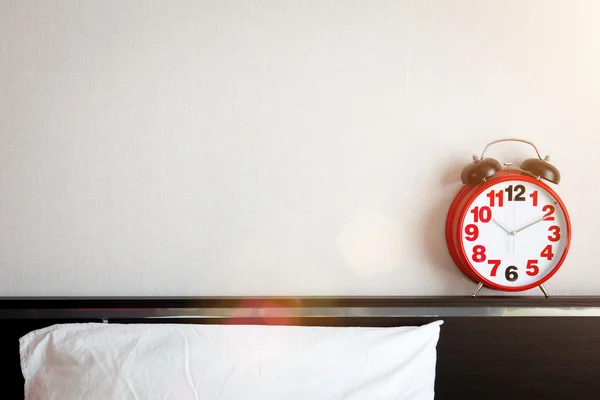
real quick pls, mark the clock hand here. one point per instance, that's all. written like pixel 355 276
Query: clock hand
pixel 502 226
pixel 530 224
pixel 512 239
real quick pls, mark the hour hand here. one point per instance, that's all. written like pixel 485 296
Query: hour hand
pixel 503 227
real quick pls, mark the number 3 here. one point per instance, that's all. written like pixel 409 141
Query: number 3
pixel 555 233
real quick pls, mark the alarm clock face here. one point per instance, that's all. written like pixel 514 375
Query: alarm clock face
pixel 515 234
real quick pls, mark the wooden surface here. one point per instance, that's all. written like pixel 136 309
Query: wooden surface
pixel 315 301
pixel 478 357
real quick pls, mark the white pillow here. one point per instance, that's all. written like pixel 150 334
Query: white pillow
pixel 228 362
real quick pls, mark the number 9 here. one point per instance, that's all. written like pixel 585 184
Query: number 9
pixel 472 232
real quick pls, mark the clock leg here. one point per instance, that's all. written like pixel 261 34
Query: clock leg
pixel 544 290
pixel 477 289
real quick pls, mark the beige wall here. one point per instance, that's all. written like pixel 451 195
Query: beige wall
pixel 279 148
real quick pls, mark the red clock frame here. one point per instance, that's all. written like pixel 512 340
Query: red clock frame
pixel 458 211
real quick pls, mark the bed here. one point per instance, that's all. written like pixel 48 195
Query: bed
pixel 506 347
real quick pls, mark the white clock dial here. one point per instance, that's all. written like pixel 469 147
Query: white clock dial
pixel 514 233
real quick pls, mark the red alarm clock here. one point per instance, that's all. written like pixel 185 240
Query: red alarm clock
pixel 507 229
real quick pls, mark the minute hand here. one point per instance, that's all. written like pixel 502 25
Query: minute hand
pixel 528 225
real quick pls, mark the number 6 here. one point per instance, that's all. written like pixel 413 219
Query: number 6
pixel 511 273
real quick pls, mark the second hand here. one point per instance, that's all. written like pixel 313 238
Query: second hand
pixel 513 228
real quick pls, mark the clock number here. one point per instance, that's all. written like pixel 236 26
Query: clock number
pixel 493 195
pixel 555 233
pixel 479 253
pixel 472 232
pixel 496 264
pixel 532 268
pixel 549 210
pixel 511 274
pixel 483 214
pixel 547 252
pixel 518 191
pixel 534 197
pixel 509 191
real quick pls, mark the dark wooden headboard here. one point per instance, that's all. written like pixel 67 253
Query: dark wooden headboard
pixel 489 348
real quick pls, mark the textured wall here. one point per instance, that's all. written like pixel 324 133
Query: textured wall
pixel 279 148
